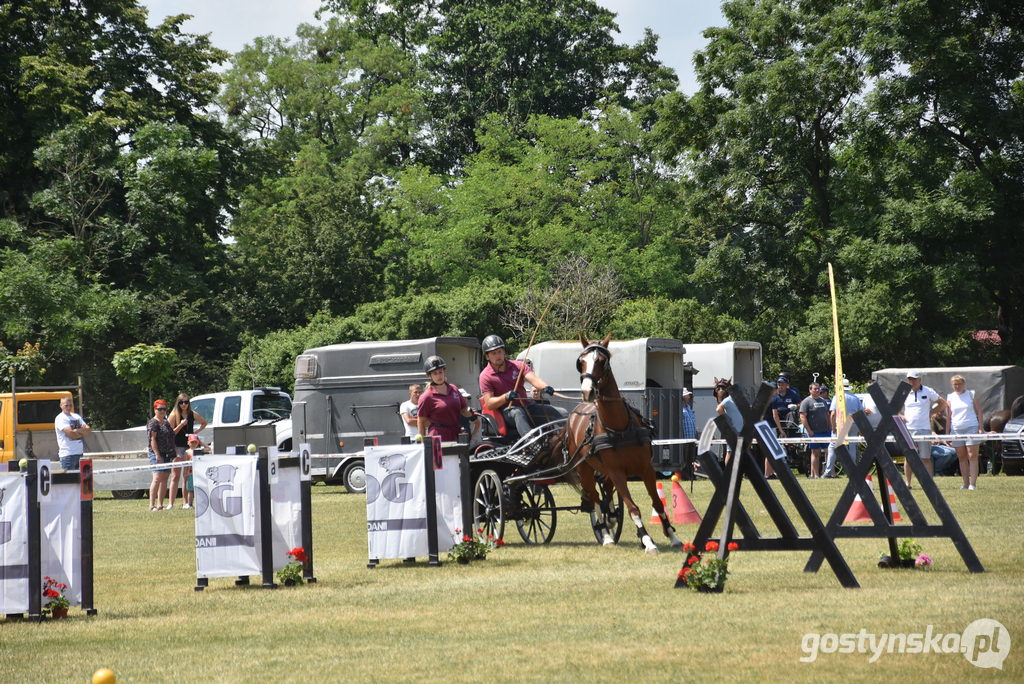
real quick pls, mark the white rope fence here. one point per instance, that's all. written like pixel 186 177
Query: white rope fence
pixel 857 439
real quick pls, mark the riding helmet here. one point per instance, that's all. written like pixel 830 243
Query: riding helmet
pixel 492 342
pixel 433 363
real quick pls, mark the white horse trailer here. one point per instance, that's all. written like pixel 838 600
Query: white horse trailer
pixel 738 361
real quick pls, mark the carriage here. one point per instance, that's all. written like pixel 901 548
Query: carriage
pixel 512 478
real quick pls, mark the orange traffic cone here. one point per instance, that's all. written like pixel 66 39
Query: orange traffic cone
pixel 655 518
pixel 857 510
pixel 893 506
pixel 682 508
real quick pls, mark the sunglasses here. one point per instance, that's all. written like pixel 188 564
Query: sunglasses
pixel 183 403
pixel 161 408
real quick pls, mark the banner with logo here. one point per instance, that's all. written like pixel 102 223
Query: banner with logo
pixel 396 501
pixel 227 505
pixel 13 544
pixel 60 517
pixel 286 512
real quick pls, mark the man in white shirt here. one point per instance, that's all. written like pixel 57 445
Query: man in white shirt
pixel 916 414
pixel 71 430
pixel 407 411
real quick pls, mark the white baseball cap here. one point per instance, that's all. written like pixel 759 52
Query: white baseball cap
pixel 916 374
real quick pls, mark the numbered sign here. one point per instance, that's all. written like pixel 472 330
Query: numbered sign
pixel 44 476
pixel 305 463
pixel 766 433
pixel 85 469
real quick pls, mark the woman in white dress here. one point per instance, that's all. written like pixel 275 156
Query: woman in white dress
pixel 963 417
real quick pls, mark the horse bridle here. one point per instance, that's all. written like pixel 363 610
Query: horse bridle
pixel 603 351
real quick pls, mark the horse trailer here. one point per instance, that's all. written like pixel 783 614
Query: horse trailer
pixel 347 397
pixel 738 361
pixel 649 373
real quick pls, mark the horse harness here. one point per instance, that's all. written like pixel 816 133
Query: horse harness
pixel 637 433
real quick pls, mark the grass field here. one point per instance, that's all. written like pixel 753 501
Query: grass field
pixel 567 611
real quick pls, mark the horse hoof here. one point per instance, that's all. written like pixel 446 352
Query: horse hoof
pixel 677 544
pixel 651 551
pixel 608 543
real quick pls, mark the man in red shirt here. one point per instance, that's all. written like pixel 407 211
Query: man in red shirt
pixel 501 389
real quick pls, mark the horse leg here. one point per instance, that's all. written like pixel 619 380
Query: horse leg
pixel 618 478
pixel 659 508
pixel 593 498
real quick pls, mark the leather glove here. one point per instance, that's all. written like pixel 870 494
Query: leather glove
pixel 549 390
pixel 511 396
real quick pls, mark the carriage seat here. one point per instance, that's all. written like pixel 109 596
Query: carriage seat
pixel 494 425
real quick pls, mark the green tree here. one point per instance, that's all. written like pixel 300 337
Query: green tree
pixel 145 365
pixel 514 60
pixel 591 188
pixel 327 120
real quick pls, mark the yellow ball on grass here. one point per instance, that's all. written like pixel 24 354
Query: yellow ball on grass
pixel 104 675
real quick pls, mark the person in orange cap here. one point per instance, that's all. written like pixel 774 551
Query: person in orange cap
pixel 161 450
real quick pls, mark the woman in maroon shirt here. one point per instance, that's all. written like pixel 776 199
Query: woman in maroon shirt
pixel 441 404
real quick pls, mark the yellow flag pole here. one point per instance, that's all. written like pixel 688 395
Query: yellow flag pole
pixel 840 394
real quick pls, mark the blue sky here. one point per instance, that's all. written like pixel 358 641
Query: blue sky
pixel 233 23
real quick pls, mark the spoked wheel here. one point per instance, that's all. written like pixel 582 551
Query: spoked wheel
pixel 536 515
pixel 489 505
pixel 613 500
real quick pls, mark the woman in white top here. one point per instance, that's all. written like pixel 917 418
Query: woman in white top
pixel 963 417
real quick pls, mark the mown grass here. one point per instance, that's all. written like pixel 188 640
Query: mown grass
pixel 567 611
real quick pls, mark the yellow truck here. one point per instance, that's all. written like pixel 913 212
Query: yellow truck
pixel 35 413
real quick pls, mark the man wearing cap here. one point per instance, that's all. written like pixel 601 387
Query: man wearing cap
pixel 689 417
pixel 916 414
pixel 785 399
pixel 70 429
pixel 853 405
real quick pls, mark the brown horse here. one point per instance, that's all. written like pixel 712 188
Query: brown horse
pixel 611 438
pixel 722 388
pixel 996 422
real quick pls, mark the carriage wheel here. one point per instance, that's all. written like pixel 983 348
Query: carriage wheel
pixel 613 499
pixel 488 505
pixel 537 515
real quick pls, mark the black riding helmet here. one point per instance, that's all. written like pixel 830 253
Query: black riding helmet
pixel 492 342
pixel 433 363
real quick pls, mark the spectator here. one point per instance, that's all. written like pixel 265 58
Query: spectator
pixel 916 413
pixel 161 445
pixel 689 417
pixel 183 421
pixel 730 410
pixel 853 404
pixel 502 388
pixel 814 417
pixel 785 400
pixel 195 446
pixel 71 430
pixel 963 417
pixel 441 404
pixel 408 409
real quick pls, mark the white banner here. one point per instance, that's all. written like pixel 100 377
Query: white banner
pixel 227 502
pixel 60 517
pixel 13 544
pixel 396 501
pixel 286 512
